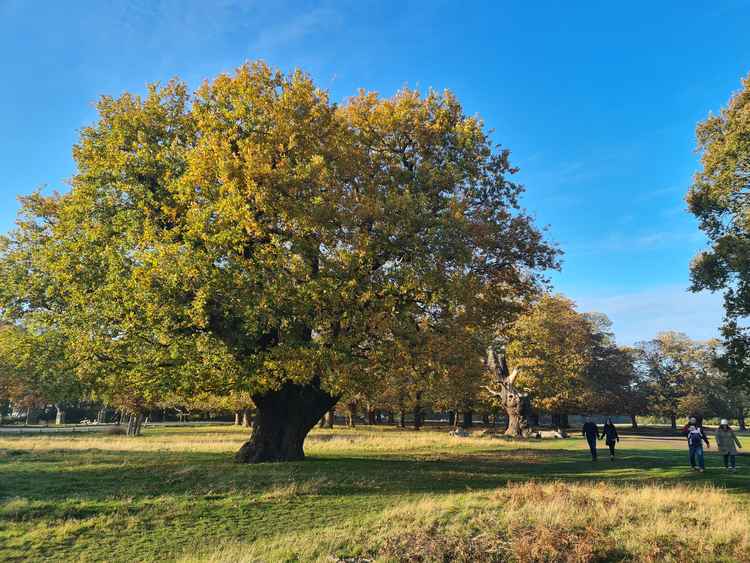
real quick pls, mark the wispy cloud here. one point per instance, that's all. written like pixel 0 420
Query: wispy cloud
pixel 556 175
pixel 628 242
pixel 168 21
pixel 641 315
pixel 671 192
pixel 295 29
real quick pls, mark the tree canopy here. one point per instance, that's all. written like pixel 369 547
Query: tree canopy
pixel 254 236
pixel 551 345
pixel 720 199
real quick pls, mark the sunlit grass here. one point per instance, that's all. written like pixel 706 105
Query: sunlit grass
pixel 523 522
pixel 367 492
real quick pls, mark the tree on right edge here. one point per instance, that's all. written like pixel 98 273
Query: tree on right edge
pixel 720 199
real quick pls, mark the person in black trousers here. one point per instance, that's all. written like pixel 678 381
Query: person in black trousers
pixel 591 431
pixel 609 433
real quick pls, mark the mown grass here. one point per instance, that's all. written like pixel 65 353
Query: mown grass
pixel 367 494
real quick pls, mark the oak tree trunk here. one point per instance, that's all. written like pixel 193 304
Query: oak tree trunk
pixel 556 423
pixel 516 424
pixel 534 419
pixel 418 412
pixel 134 424
pixel 32 415
pixel 284 418
pixel 451 418
pixel 673 421
pixel 331 417
pixel 741 418
pixel 237 418
pixel 468 419
pixel 634 422
pixel 514 401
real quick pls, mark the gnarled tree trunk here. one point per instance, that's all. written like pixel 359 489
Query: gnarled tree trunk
pixel 284 418
pixel 516 403
pixel 351 414
pixel 418 411
pixel 135 422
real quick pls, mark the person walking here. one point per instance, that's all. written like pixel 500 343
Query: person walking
pixel 591 431
pixel 695 437
pixel 611 437
pixel 727 444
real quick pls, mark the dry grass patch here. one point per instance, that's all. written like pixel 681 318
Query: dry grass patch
pixel 227 439
pixel 294 489
pixel 528 522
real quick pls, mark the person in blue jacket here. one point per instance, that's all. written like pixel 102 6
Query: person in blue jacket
pixel 696 437
pixel 591 431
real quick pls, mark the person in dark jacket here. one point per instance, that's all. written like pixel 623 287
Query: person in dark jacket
pixel 696 436
pixel 591 431
pixel 611 437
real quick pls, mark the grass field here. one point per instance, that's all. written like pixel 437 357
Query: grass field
pixel 362 495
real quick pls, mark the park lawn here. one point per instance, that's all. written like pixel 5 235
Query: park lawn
pixel 368 493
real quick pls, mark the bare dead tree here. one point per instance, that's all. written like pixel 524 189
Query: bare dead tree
pixel 516 402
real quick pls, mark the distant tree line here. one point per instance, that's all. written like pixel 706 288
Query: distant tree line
pixel 568 361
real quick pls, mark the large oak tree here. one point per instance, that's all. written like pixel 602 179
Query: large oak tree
pixel 720 199
pixel 256 237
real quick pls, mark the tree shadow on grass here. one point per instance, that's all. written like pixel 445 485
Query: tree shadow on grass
pixel 145 504
pixel 107 474
pixel 172 498
pixel 489 469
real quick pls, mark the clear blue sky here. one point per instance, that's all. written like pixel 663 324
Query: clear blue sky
pixel 597 101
